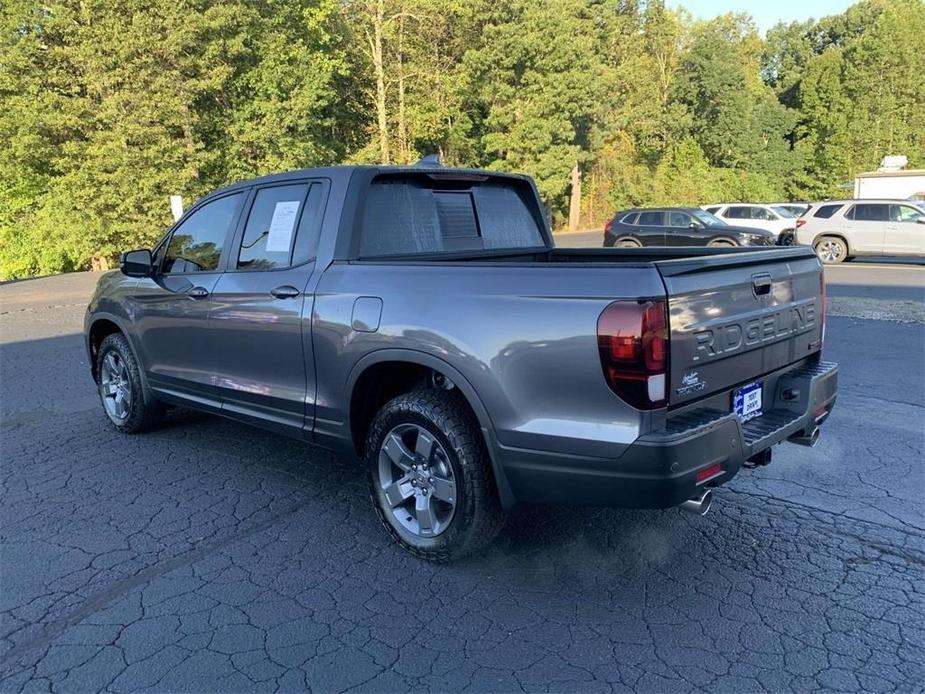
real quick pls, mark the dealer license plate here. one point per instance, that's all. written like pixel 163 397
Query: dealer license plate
pixel 746 401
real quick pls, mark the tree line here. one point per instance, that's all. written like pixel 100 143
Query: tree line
pixel 107 107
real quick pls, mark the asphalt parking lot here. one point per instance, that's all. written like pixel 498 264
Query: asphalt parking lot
pixel 209 556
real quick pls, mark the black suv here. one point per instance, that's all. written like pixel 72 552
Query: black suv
pixel 678 226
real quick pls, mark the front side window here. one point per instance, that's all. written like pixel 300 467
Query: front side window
pixel 196 245
pixel 906 213
pixel 763 214
pixel 712 210
pixel 785 211
pixel 870 212
pixel 709 219
pixel 679 219
pixel 651 218
pixel 826 211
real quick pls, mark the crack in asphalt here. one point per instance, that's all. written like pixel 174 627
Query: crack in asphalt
pixel 99 600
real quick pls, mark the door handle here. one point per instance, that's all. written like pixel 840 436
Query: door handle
pixel 198 292
pixel 285 292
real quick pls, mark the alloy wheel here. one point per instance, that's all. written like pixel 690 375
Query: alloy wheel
pixel 830 251
pixel 115 387
pixel 417 481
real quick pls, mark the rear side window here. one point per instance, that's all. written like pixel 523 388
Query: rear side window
pixel 282 227
pixel 737 213
pixel 871 213
pixel 826 211
pixel 196 245
pixel 629 218
pixel 652 218
pixel 418 215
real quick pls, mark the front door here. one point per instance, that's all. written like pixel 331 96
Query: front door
pixel 905 235
pixel 262 308
pixel 866 227
pixel 172 307
pixel 680 232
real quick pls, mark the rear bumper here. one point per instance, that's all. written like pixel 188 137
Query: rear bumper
pixel 660 470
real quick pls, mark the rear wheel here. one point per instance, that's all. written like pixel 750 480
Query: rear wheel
pixel 430 478
pixel 831 250
pixel 628 243
pixel 119 382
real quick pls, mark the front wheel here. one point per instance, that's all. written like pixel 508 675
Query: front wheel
pixel 831 250
pixel 430 477
pixel 721 243
pixel 119 382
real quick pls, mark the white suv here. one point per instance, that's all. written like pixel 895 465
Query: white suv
pixel 774 219
pixel 842 229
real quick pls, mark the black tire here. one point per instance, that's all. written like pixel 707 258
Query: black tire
pixel 628 243
pixel 477 516
pixel 831 250
pixel 722 243
pixel 142 412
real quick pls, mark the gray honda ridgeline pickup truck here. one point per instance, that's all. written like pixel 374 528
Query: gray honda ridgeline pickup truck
pixel 421 319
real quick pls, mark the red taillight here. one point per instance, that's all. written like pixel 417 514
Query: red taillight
pixel 632 339
pixel 823 304
pixel 800 222
pixel 608 226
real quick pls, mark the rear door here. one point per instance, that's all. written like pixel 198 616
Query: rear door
pixel 866 225
pixel 650 227
pixel 262 307
pixel 734 318
pixel 905 234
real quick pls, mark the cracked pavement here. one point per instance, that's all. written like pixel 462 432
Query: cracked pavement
pixel 210 556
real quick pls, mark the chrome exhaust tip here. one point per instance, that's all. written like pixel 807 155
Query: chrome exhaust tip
pixel 804 439
pixel 699 504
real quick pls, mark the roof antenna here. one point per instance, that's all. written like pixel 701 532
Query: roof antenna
pixel 429 161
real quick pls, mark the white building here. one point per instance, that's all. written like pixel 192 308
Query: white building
pixel 899 185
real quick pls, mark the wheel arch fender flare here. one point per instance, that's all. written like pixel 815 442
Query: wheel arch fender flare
pixel 119 322
pixel 435 363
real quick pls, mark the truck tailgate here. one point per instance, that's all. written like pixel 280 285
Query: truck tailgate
pixel 737 316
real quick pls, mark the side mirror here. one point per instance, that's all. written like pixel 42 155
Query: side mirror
pixel 920 220
pixel 695 225
pixel 137 263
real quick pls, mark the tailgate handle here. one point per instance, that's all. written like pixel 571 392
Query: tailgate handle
pixel 761 283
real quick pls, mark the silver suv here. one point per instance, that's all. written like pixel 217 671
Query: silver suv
pixel 842 229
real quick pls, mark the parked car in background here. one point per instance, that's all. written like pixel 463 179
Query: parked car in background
pixel 678 226
pixel 841 229
pixel 756 216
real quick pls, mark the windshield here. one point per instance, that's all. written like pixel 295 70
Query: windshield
pixel 708 219
pixel 783 211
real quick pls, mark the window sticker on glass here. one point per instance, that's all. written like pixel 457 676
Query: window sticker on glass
pixel 282 225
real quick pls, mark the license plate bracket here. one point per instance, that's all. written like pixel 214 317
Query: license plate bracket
pixel 746 401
